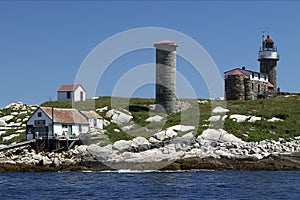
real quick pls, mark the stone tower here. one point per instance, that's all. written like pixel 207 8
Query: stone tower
pixel 166 76
pixel 268 58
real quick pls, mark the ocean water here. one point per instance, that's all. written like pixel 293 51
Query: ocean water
pixel 151 185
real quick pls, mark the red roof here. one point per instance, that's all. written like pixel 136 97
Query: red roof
pixel 270 85
pixel 68 88
pixel 169 42
pixel 237 72
pixel 269 40
pixel 65 116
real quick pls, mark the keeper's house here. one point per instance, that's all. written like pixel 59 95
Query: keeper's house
pixel 71 93
pixel 67 123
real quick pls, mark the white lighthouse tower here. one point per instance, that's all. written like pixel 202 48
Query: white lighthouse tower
pixel 268 57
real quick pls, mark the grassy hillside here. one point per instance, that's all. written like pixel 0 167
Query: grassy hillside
pixel 286 108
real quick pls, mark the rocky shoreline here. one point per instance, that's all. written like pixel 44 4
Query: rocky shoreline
pixel 212 150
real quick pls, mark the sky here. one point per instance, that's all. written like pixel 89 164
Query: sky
pixel 43 44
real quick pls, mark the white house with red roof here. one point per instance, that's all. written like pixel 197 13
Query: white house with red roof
pixel 73 92
pixel 57 122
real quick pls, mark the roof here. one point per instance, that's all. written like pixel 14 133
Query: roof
pixel 270 85
pixel 167 42
pixel 65 115
pixel 237 71
pixel 269 40
pixel 69 88
pixel 91 114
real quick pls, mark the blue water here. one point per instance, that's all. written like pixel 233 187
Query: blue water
pixel 151 185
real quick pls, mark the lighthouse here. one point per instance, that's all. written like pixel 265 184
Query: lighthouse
pixel 268 57
pixel 165 76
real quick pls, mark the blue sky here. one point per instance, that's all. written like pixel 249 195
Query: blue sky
pixel 43 44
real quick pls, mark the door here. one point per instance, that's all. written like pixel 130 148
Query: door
pixel 81 96
pixel 70 130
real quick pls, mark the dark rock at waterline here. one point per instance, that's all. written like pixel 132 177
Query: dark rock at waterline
pixel 288 162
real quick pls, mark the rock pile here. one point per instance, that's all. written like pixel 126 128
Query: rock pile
pixel 13 119
pixel 26 155
pixel 212 144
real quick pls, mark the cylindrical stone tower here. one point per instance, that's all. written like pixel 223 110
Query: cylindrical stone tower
pixel 268 58
pixel 166 76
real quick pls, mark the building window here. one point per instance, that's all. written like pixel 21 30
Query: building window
pixel 252 75
pixel 95 122
pixel 64 126
pixel 252 86
pixel 39 114
pixel 258 88
pixel 68 95
pixel 39 123
pixel 80 128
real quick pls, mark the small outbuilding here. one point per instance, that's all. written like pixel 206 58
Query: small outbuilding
pixel 73 92
pixel 95 120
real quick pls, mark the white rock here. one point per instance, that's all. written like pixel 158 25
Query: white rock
pixel 106 123
pixel 219 135
pixel 160 135
pixel 102 109
pixel 223 153
pixel 6 138
pixel 152 155
pixel 202 102
pixel 118 117
pixel 155 118
pixel 220 110
pixel 46 160
pixel 297 138
pixel 275 119
pixel 224 117
pixel 7 118
pixel 153 140
pixel 238 118
pixel 14 113
pixel 117 130
pixel 128 127
pixel 2 122
pixel 214 118
pixel 254 119
pixel 122 145
pixel 12 124
pixel 139 141
pixel 100 153
pixel 182 128
pixel 170 133
pixel 189 136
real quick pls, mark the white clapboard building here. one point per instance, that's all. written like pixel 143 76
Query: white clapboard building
pixel 73 92
pixel 67 123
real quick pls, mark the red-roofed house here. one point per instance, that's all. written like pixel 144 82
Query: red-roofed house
pixel 73 92
pixel 67 122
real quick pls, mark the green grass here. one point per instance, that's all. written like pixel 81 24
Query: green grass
pixel 281 107
pixel 21 137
